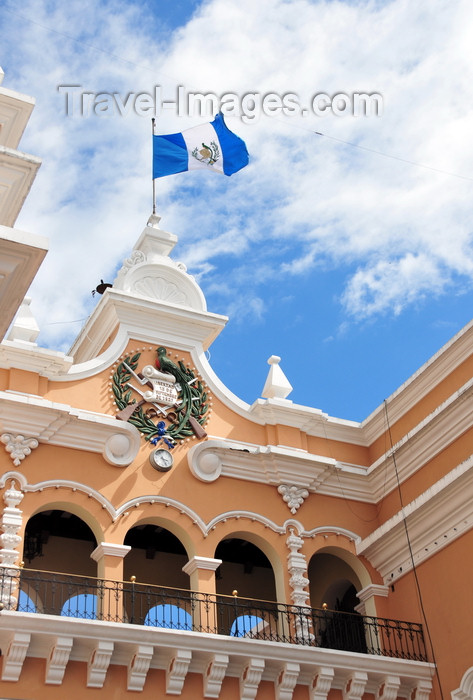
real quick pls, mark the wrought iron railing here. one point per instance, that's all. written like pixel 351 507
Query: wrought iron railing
pixel 119 601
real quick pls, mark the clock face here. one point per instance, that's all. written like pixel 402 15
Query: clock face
pixel 162 460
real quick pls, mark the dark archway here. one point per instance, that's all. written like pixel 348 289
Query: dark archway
pixel 57 540
pixel 244 568
pixel 156 557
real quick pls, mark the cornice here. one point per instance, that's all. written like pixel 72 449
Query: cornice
pixel 15 111
pixel 201 650
pixel 436 518
pixel 17 172
pixel 64 426
pixel 30 357
pixel 437 368
pixel 308 420
pixel 427 439
pixel 144 320
pixel 110 549
pixel 276 465
pixel 22 254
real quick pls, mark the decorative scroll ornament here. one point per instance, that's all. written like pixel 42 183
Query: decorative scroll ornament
pixel 297 567
pixel 10 540
pixel 172 402
pixel 18 446
pixel 293 496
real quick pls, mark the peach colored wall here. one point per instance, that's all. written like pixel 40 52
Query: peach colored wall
pixel 446 589
pixel 31 686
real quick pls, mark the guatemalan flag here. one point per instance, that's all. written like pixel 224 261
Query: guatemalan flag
pixel 211 146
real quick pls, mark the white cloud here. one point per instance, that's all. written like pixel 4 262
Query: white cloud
pixel 398 231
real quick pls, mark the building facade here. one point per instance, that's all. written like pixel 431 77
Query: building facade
pixel 162 537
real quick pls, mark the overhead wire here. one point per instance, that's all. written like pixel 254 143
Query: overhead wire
pixel 297 126
pixel 411 552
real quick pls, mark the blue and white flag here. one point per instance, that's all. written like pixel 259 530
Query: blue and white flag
pixel 210 146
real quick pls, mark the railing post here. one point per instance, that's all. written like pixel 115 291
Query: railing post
pixel 133 599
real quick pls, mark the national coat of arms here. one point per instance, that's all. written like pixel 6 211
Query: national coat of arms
pixel 166 402
pixel 207 154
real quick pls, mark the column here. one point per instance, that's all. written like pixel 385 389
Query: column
pixel 10 540
pixel 202 579
pixel 109 558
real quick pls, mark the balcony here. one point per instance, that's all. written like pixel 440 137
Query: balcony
pixel 127 615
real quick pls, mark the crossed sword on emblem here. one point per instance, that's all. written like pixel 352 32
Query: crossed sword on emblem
pixel 147 396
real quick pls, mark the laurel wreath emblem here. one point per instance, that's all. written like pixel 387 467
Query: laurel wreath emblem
pixel 195 404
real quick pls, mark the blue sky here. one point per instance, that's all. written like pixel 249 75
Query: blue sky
pixel 354 267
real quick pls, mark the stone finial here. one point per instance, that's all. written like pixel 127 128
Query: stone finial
pixel 277 385
pixel 24 325
pixel 149 272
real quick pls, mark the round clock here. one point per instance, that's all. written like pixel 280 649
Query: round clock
pixel 161 459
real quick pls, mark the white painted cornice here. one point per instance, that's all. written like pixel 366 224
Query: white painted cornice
pixel 110 549
pixel 200 650
pixel 22 254
pixel 439 516
pixel 437 368
pixel 17 172
pixel 307 419
pixel 426 440
pixel 30 357
pixel 15 111
pixel 145 320
pixel 197 563
pixel 274 464
pixel 58 424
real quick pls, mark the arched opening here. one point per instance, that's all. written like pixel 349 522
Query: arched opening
pixel 333 587
pixel 168 616
pixel 59 576
pixel 246 590
pixel 57 540
pixel 158 594
pixel 156 557
pixel 83 605
pixel 245 568
pixel 333 582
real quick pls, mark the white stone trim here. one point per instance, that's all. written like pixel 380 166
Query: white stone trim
pixel 197 563
pixel 176 671
pixel 139 666
pixel 437 368
pixel 33 358
pixel 110 549
pixel 465 689
pixel 293 496
pixel 270 464
pixel 57 660
pixel 152 499
pixel 321 683
pixel 437 517
pixel 15 655
pixel 424 441
pixel 98 664
pixel 65 426
pixel 250 678
pixel 355 686
pixel 287 681
pixel 366 597
pixel 18 446
pixel 202 648
pixel 214 675
pixel 24 253
pixel 389 688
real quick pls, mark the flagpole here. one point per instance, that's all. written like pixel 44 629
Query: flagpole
pixel 153 122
